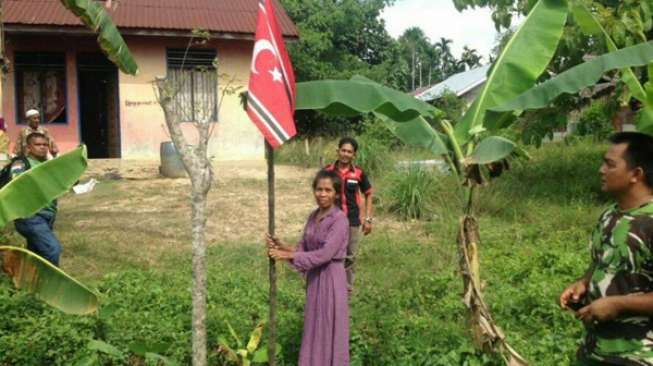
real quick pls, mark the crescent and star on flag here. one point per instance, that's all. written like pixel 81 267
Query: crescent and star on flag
pixel 265 45
pixel 271 97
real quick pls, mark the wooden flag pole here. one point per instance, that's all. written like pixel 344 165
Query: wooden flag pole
pixel 272 328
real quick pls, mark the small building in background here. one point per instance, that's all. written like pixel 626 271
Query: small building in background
pixel 57 67
pixel 466 85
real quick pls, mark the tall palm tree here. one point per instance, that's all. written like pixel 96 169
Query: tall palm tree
pixel 447 60
pixel 471 58
pixel 443 45
pixel 414 42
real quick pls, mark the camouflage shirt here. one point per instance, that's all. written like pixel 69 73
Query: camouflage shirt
pixel 622 258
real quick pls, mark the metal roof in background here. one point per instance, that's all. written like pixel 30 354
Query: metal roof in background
pixel 459 83
pixel 229 16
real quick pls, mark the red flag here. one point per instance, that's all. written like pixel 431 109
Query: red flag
pixel 271 95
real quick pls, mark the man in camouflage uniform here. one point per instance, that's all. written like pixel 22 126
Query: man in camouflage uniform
pixel 33 120
pixel 615 297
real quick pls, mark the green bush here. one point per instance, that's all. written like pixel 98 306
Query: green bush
pixel 557 175
pixel 373 156
pixel 595 120
pixel 452 105
pixel 374 130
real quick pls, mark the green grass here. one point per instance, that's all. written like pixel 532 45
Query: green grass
pixel 535 221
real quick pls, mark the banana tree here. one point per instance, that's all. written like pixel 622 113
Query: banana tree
pixel 472 153
pixel 23 197
pixel 244 355
pixel 584 75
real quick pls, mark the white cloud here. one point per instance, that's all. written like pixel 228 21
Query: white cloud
pixel 439 18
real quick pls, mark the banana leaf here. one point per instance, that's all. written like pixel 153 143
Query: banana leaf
pixel 358 96
pixel 34 189
pixel 493 149
pixel 645 120
pixel 522 61
pixel 590 25
pixel 48 283
pixel 579 77
pixel 416 132
pixel 255 338
pixel 93 14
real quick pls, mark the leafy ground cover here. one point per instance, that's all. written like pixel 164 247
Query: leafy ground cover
pixel 129 239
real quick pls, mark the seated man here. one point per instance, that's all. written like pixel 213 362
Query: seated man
pixel 37 229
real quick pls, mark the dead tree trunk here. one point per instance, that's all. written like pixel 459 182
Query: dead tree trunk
pixel 198 166
pixel 485 333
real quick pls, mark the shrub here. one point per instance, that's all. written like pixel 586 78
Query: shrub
pixel 374 130
pixel 373 156
pixel 452 106
pixel 595 120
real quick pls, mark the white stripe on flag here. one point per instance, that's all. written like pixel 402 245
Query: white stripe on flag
pixel 267 118
pixel 262 120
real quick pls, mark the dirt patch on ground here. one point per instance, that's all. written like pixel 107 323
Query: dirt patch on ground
pixel 225 170
pixel 237 201
pixel 136 218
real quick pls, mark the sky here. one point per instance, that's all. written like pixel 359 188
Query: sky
pixel 439 18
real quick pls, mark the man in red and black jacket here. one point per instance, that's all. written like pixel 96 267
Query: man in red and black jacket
pixel 354 182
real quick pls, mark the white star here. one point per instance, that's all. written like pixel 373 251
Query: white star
pixel 276 75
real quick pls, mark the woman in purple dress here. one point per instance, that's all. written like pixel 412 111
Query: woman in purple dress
pixel 320 257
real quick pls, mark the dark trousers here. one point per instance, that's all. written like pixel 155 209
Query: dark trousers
pixel 37 230
pixel 352 252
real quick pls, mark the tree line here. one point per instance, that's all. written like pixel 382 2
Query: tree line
pixel 342 38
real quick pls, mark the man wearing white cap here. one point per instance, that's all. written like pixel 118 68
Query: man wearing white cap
pixel 33 119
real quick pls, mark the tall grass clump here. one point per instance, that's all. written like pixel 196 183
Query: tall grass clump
pixel 412 192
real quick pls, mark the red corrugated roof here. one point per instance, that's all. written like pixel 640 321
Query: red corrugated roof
pixel 231 16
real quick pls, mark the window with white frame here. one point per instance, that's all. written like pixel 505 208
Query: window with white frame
pixel 193 75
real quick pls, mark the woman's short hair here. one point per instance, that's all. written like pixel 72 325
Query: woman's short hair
pixel 325 174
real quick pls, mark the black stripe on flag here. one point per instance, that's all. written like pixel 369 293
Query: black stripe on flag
pixel 267 120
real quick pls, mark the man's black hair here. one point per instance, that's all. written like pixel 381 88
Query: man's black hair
pixel 639 152
pixel 348 140
pixel 35 135
pixel 326 174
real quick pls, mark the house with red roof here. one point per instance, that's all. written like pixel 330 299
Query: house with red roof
pixel 56 66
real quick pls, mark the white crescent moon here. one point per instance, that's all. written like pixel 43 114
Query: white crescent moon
pixel 260 46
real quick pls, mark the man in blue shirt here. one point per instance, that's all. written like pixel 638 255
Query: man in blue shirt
pixel 38 229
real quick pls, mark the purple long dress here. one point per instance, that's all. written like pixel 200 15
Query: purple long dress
pixel 320 255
